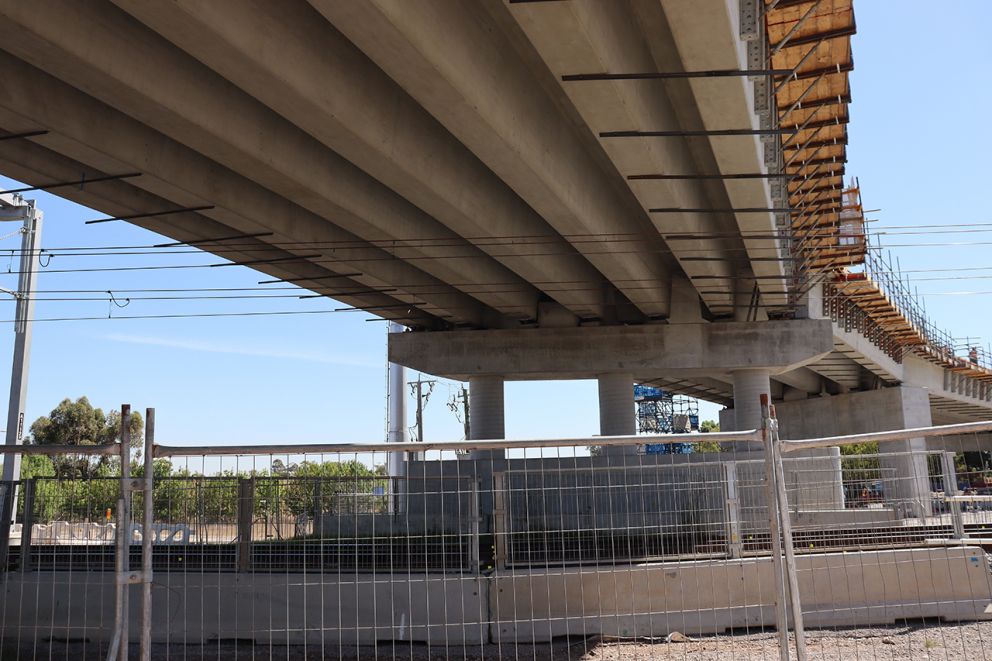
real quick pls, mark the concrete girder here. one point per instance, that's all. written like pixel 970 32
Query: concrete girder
pixel 109 141
pixel 145 76
pixel 646 352
pixel 606 38
pixel 925 374
pixel 701 387
pixel 706 35
pixel 334 92
pixel 457 61
pixel 36 165
pixel 803 379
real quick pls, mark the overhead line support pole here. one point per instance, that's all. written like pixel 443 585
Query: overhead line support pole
pixel 31 218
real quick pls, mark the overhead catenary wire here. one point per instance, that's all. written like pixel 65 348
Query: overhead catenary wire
pixel 412 292
pixel 266 313
pixel 604 237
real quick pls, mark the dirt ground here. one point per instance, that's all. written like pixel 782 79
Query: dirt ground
pixel 957 642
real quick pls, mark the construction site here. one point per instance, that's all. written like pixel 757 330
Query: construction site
pixel 648 195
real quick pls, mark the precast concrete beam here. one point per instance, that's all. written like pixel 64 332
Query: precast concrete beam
pixel 145 76
pixel 470 67
pixel 107 140
pixel 322 83
pixel 707 37
pixel 801 378
pixel 646 352
pixel 34 165
pixel 607 37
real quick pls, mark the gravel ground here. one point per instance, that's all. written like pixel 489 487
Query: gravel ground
pixel 964 642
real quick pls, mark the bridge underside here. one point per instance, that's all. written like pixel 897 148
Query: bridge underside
pixel 459 166
pixel 424 162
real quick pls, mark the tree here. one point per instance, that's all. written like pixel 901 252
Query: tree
pixel 78 423
pixel 860 462
pixel 705 427
pixel 709 425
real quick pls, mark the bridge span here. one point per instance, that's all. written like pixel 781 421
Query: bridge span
pixel 649 191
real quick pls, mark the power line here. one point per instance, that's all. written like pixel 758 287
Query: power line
pixel 211 314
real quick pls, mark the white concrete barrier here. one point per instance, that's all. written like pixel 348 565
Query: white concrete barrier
pixel 837 589
pixel 711 596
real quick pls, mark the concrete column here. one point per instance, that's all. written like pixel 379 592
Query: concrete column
pixel 486 413
pixel 486 416
pixel 903 463
pixel 749 385
pixel 616 410
pixel 396 462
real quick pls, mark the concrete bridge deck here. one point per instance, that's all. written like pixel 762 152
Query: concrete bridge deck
pixel 492 167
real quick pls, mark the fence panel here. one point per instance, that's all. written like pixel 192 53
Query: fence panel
pixel 58 581
pixel 541 549
pixel 538 550
pixel 891 553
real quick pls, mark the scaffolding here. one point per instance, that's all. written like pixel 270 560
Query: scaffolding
pixel 661 412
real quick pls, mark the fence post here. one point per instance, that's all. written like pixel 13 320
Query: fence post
pixel 147 537
pixel 7 492
pixel 124 528
pixel 318 507
pixel 122 561
pixel 771 498
pixel 246 508
pixel 790 553
pixel 735 546
pixel 499 528
pixel 474 557
pixel 27 525
pixel 950 491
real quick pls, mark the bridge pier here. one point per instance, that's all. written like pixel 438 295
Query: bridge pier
pixel 616 410
pixel 487 415
pixel 749 386
pixel 903 464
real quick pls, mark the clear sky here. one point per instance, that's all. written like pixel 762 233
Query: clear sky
pixel 919 144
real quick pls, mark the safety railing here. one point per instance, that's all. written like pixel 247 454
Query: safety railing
pixel 521 548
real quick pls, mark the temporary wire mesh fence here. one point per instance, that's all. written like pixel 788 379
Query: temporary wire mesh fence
pixel 542 549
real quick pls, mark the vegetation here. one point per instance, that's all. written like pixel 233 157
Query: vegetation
pixel 78 488
pixel 705 427
pixel 187 497
pixel 78 423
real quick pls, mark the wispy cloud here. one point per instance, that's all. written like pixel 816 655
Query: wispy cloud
pixel 243 350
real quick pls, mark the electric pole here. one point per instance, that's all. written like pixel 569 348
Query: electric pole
pixel 418 390
pixel 466 423
pixel 15 208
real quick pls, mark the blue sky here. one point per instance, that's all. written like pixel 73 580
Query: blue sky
pixel 918 144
